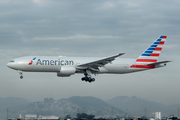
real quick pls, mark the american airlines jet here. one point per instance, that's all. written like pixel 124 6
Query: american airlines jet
pixel 67 66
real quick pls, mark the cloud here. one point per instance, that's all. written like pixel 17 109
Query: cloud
pixel 37 1
pixel 132 4
pixel 77 37
pixel 172 46
pixel 108 5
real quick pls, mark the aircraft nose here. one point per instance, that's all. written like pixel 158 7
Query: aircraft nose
pixel 16 65
pixel 9 65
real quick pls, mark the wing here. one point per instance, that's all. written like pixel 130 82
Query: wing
pixel 98 63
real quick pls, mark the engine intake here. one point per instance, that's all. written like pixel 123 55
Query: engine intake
pixel 66 71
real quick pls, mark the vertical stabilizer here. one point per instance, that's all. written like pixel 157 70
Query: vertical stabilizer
pixel 151 54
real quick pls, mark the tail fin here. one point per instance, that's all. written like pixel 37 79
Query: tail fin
pixel 152 53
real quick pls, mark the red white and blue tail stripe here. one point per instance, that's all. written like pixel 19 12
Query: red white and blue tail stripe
pixel 151 54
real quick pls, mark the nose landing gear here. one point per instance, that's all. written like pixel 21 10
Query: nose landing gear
pixel 21 74
pixel 21 77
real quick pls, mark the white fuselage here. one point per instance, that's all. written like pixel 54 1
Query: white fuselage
pixel 54 64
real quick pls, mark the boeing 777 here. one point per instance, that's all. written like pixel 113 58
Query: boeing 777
pixel 67 66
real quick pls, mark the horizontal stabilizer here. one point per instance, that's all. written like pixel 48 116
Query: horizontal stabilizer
pixel 157 63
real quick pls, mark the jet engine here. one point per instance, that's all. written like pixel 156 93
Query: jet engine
pixel 66 71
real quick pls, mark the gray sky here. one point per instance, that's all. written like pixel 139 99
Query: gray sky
pixel 96 28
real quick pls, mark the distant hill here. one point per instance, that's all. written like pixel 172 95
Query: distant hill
pixel 137 105
pixel 96 106
pixel 70 106
pixel 89 101
pixel 87 104
pixel 117 106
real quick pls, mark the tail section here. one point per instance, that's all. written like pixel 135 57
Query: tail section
pixel 152 52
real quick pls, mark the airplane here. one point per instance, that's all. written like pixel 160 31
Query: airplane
pixel 67 66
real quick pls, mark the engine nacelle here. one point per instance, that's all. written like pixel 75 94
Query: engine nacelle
pixel 66 71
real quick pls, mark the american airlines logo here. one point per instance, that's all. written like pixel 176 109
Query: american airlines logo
pixel 54 62
pixel 31 62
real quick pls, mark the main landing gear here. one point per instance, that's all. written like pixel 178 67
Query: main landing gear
pixel 86 78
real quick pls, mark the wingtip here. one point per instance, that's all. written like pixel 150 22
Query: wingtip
pixel 121 53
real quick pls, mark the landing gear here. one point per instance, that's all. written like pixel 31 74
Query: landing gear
pixel 87 79
pixel 21 77
pixel 21 74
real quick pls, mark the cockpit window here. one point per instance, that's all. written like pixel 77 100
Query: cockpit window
pixel 12 61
